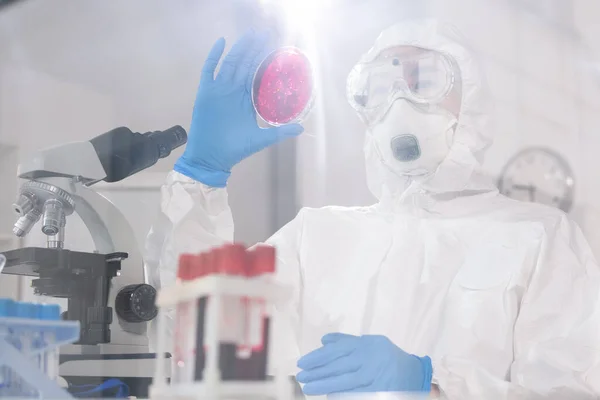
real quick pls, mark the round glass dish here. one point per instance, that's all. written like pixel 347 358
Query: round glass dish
pixel 283 87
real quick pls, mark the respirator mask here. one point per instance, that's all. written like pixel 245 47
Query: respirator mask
pixel 400 95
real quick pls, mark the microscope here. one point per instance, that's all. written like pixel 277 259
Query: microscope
pixel 106 289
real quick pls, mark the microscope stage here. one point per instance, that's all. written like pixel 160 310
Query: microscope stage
pixel 31 261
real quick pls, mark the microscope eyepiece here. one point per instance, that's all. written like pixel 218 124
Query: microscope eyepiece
pixel 167 140
pixel 124 153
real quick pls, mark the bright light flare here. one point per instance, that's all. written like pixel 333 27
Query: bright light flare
pixel 303 19
pixel 300 14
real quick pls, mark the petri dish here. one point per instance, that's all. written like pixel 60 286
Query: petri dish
pixel 283 87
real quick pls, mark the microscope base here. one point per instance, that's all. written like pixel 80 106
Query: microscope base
pixel 135 370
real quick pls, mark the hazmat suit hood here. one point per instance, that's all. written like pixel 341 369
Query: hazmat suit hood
pixel 458 175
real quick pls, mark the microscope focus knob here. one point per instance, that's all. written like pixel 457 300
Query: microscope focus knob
pixel 136 303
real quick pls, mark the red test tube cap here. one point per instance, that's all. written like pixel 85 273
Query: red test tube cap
pixel 210 260
pixel 197 269
pixel 263 260
pixel 184 269
pixel 232 260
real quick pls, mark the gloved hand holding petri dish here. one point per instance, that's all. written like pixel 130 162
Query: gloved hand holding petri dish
pixel 283 87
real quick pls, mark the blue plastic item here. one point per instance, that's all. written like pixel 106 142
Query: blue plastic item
pixel 224 130
pixel 367 363
pixel 7 308
pixel 20 310
pixel 122 390
pixel 49 312
pixel 31 310
pixel 30 335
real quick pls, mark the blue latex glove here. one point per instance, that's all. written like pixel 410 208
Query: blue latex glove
pixel 224 130
pixel 369 363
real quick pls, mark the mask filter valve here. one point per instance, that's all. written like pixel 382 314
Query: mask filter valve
pixel 406 148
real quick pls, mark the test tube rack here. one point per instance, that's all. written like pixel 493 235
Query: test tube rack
pixel 20 364
pixel 213 279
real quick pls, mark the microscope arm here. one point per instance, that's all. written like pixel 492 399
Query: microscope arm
pixel 93 221
pixel 109 229
pixel 111 233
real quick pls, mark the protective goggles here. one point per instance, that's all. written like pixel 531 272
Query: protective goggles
pixel 423 78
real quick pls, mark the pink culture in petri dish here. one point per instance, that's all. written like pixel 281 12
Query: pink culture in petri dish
pixel 283 87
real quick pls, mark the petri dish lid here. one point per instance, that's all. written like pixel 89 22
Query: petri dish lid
pixel 283 87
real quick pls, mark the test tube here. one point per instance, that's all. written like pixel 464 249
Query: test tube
pixel 205 267
pixel 29 340
pixel 50 358
pixel 232 262
pixel 17 339
pixel 181 370
pixel 210 367
pixel 213 262
pixel 261 265
pixel 195 270
pixel 38 341
pixel 6 311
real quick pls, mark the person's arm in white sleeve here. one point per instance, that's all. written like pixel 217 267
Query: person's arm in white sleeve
pixel 193 218
pixel 556 336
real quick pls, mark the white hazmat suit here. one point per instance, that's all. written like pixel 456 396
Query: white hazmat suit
pixel 502 295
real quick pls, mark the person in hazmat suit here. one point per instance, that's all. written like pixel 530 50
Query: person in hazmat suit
pixel 444 287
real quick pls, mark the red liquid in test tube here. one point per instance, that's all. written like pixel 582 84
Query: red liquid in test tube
pixel 197 269
pixel 232 262
pixel 262 264
pixel 241 327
